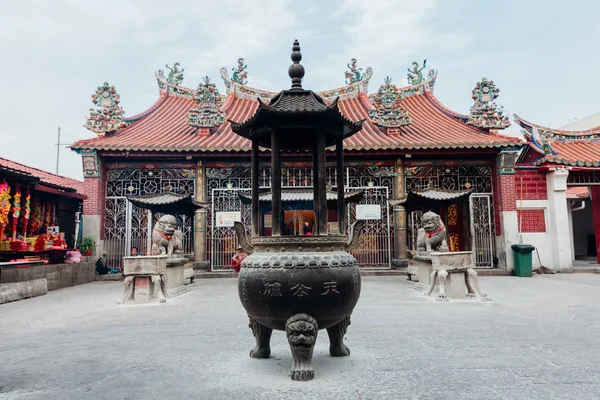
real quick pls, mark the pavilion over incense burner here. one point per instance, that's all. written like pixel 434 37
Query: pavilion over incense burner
pixel 299 284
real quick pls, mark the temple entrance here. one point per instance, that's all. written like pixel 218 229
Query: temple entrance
pixel 469 226
pixel 126 226
pixel 226 208
pixel 374 249
pixel 375 244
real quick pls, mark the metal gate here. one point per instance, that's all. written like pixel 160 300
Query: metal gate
pixel 223 240
pixel 374 249
pixel 375 244
pixel 126 226
pixel 414 223
pixel 482 229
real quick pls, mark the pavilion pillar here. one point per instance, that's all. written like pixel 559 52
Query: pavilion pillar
pixel 400 245
pixel 255 177
pixel 275 184
pixel 320 187
pixel 201 261
pixel 341 203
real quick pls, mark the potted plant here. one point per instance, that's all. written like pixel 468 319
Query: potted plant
pixel 87 245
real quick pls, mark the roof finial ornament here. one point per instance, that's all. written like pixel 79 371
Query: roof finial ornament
pixel 296 70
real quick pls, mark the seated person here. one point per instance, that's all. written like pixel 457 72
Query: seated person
pixel 238 258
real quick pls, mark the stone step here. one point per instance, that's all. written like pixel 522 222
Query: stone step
pixel 109 277
pixel 214 274
pixel 382 272
pixel 586 270
pixel 492 272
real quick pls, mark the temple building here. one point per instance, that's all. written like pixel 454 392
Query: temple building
pixel 558 197
pixel 411 155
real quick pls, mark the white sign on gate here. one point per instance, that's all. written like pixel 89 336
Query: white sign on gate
pixel 368 211
pixel 226 219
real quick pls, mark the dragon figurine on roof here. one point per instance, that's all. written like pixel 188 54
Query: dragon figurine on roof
pixel 355 74
pixel 415 75
pixel 240 75
pixel 176 75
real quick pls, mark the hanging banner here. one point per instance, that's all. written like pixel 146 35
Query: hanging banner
pixel 226 219
pixel 368 211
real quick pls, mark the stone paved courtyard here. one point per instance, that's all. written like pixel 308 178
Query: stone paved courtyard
pixel 538 339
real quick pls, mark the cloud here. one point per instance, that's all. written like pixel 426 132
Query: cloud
pixel 63 49
pixel 385 34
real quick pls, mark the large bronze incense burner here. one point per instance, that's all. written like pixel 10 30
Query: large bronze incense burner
pixel 299 284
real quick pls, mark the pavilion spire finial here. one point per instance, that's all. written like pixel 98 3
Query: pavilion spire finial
pixel 296 70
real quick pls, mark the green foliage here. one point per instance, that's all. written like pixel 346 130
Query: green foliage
pixel 87 244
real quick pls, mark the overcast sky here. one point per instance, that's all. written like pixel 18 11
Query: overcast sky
pixel 543 55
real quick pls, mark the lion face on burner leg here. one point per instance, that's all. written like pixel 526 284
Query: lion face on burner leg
pixel 166 239
pixel 301 331
pixel 432 236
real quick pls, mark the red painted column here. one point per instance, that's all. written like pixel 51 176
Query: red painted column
pixel 595 193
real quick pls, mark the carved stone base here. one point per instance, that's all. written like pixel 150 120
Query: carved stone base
pixel 456 284
pixel 144 288
pixel 301 331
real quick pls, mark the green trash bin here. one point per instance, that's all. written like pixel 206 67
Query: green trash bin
pixel 522 257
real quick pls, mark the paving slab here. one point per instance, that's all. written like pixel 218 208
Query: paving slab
pixel 537 339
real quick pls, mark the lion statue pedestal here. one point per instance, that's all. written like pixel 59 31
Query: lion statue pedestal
pixel 452 272
pixel 168 240
pixel 455 275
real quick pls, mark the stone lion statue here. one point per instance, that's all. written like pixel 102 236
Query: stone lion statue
pixel 432 236
pixel 166 239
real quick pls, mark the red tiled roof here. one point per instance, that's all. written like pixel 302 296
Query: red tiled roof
pixel 574 148
pixel 165 129
pixel 44 176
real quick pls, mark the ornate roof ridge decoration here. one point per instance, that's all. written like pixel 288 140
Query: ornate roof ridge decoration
pixel 206 113
pixel 416 79
pixel 557 134
pixel 172 82
pixel 485 113
pixel 243 91
pixel 427 85
pixel 175 76
pixel 355 74
pixel 107 116
pixel 239 73
pixel 542 139
pixel 388 112
pixel 297 103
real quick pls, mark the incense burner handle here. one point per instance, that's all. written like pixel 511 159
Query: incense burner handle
pixel 240 232
pixel 354 235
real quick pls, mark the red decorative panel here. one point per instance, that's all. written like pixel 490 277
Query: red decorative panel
pixel 531 184
pixel 530 221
